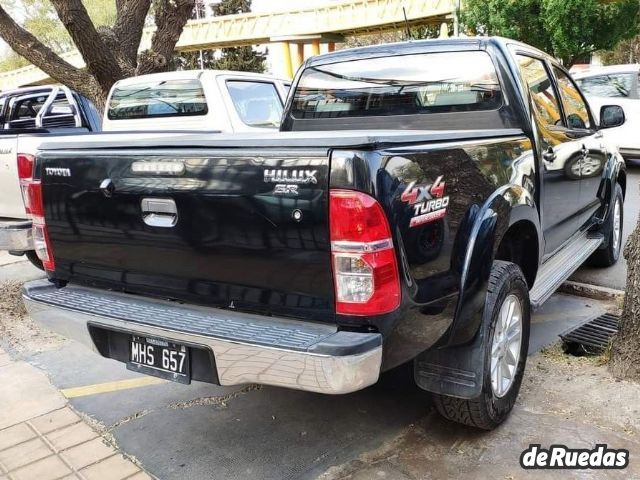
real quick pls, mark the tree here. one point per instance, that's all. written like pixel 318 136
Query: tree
pixel 244 59
pixel 625 354
pixel 627 51
pixel 39 17
pixel 567 29
pixel 109 52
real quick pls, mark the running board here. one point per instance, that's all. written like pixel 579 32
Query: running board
pixel 560 266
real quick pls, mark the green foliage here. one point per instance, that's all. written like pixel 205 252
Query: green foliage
pixel 231 7
pixel 244 59
pixel 40 18
pixel 627 51
pixel 567 29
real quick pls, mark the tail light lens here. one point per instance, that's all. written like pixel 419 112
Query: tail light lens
pixel 364 262
pixel 33 204
pixel 26 164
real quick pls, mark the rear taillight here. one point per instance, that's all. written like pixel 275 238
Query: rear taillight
pixel 365 268
pixel 25 175
pixel 33 204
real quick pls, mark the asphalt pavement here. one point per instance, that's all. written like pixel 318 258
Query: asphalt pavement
pixel 207 431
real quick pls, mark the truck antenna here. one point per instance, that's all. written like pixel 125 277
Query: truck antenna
pixel 406 24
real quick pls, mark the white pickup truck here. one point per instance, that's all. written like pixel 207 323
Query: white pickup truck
pixel 29 116
pixel 213 101
pixel 200 100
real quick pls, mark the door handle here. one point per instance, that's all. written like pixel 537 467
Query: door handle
pixel 549 155
pixel 159 212
pixel 107 187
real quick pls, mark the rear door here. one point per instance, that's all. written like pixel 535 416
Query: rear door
pixel 234 229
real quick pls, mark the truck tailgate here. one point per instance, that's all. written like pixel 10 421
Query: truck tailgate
pixel 230 228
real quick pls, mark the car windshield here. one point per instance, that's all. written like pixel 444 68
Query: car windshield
pixel 399 85
pixel 168 98
pixel 610 85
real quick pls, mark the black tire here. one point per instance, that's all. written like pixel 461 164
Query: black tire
pixel 33 258
pixel 488 410
pixel 609 255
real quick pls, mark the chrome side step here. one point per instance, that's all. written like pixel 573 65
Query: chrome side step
pixel 561 265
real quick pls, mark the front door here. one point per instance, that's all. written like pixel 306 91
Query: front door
pixel 559 155
pixel 581 126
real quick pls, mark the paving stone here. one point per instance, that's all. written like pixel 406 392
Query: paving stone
pixel 49 468
pixel 87 453
pixel 26 393
pixel 55 420
pixel 4 358
pixel 14 435
pixel 71 436
pixel 113 468
pixel 19 455
pixel 141 476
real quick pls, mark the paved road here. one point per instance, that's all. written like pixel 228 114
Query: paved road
pixel 616 276
pixel 208 432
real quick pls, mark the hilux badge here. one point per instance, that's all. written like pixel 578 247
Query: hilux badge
pixel 290 176
pixel 428 202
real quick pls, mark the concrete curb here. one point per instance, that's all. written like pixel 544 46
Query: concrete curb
pixel 595 292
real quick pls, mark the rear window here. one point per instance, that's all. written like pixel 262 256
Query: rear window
pixel 168 98
pixel 612 85
pixel 399 85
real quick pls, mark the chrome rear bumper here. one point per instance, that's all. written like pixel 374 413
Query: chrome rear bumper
pixel 247 348
pixel 15 235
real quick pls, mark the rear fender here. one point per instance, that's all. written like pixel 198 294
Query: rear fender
pixel 455 366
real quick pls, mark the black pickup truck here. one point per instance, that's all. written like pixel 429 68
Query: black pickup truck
pixel 420 200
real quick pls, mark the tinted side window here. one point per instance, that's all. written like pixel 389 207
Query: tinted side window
pixel 575 108
pixel 545 103
pixel 257 103
pixel 399 85
pixel 614 85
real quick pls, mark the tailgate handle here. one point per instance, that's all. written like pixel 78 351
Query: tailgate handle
pixel 159 212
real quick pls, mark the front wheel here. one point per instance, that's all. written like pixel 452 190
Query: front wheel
pixel 506 320
pixel 609 255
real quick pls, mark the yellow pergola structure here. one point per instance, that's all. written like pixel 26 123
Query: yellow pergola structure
pixel 322 24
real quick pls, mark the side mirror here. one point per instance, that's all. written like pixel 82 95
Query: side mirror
pixel 611 116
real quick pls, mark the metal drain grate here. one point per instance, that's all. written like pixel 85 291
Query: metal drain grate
pixel 593 335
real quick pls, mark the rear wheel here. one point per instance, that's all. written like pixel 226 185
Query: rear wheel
pixel 609 255
pixel 506 318
pixel 33 258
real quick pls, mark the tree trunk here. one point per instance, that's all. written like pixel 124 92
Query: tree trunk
pixel 625 354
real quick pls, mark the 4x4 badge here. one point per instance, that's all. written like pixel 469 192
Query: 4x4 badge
pixel 428 202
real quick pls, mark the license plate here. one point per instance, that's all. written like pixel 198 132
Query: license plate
pixel 160 358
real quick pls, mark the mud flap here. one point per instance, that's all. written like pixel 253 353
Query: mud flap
pixel 455 371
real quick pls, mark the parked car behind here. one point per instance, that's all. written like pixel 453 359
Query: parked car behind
pixel 619 84
pixel 211 100
pixel 28 116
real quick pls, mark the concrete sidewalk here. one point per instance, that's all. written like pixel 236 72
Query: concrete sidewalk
pixel 42 438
